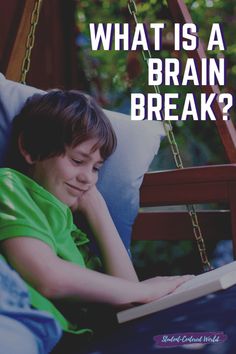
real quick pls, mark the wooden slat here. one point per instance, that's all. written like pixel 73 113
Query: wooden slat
pixel 10 15
pixel 232 205
pixel 184 194
pixel 176 225
pixel 212 173
pixel 54 61
pixel 226 129
pixel 190 185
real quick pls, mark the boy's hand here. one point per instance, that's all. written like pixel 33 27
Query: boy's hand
pixel 89 201
pixel 158 287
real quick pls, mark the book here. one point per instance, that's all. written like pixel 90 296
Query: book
pixel 202 284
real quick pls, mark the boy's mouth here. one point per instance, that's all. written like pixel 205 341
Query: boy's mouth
pixel 75 188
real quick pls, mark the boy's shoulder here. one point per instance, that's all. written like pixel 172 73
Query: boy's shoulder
pixel 16 184
pixel 13 181
pixel 25 202
pixel 9 175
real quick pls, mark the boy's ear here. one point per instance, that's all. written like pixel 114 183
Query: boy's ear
pixel 23 151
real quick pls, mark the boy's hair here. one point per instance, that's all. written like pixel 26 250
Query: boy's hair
pixel 50 122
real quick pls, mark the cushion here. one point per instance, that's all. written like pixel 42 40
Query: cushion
pixel 122 174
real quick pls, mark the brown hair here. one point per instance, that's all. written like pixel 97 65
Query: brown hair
pixel 50 122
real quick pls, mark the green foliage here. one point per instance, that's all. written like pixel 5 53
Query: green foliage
pixel 108 73
pixel 113 75
pixel 165 258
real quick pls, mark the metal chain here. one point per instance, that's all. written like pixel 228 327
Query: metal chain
pixel 30 41
pixel 177 157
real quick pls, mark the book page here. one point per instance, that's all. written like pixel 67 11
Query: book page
pixel 205 278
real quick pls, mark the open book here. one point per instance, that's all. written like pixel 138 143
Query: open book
pixel 203 284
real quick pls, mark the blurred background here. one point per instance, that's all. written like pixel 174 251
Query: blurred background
pixel 62 57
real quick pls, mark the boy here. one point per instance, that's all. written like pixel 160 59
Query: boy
pixel 59 142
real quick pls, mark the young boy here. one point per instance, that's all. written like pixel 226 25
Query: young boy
pixel 59 142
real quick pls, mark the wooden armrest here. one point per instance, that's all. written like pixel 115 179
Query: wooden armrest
pixel 190 185
pixel 176 225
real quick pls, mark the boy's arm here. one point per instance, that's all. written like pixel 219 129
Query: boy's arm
pixel 59 279
pixel 114 255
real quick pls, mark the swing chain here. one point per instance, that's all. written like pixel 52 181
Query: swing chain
pixel 177 157
pixel 132 7
pixel 30 41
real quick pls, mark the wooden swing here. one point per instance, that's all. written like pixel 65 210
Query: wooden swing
pixel 194 185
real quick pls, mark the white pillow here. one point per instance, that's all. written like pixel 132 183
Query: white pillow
pixel 122 174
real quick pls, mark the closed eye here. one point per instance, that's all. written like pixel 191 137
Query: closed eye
pixel 96 169
pixel 77 162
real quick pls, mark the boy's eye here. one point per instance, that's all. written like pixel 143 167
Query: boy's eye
pixel 96 169
pixel 77 161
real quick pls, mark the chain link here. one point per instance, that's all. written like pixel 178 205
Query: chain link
pixel 30 41
pixel 177 157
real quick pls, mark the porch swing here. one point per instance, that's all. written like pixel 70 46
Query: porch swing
pixel 195 185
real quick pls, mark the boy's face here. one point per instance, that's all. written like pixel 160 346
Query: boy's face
pixel 68 176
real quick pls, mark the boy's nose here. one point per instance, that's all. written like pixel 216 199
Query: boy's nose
pixel 85 177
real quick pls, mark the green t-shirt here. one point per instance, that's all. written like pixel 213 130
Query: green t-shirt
pixel 27 209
